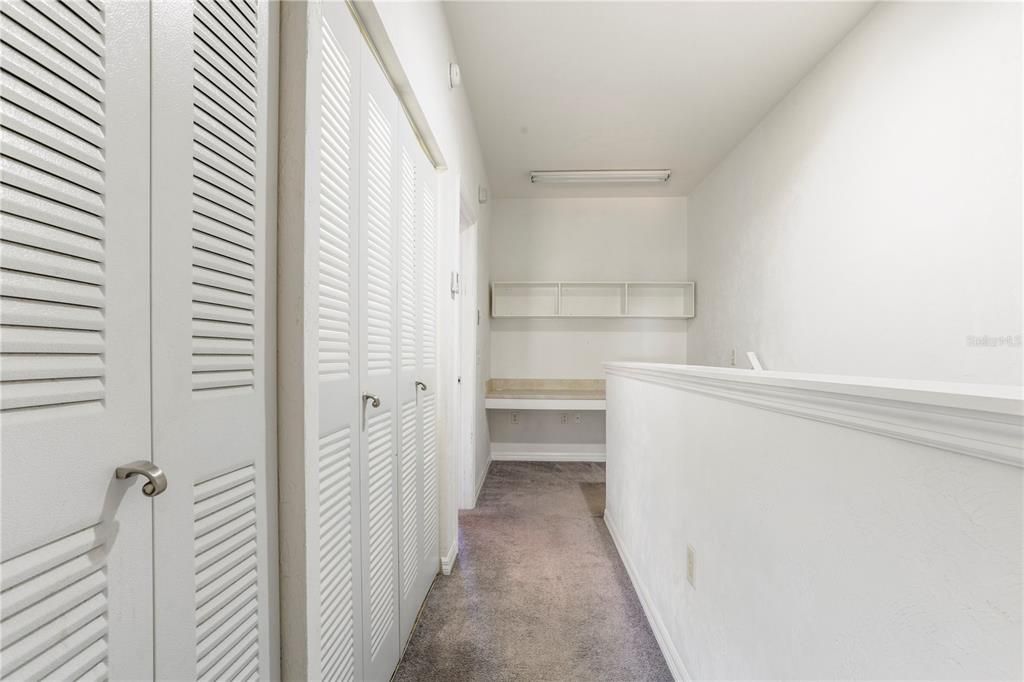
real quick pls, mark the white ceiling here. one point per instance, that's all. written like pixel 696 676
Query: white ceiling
pixel 578 85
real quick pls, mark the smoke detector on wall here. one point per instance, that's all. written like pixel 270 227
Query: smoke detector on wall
pixel 454 75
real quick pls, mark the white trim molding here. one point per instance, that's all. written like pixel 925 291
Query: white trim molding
pixel 548 452
pixel 448 560
pixel 668 649
pixel 985 421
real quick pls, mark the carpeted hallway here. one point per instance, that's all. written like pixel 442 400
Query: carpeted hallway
pixel 538 591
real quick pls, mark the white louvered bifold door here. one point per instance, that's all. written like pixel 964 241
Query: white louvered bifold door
pixel 213 362
pixel 427 369
pixel 409 453
pixel 332 187
pixel 74 402
pixel 378 344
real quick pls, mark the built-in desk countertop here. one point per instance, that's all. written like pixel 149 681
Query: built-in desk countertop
pixel 545 394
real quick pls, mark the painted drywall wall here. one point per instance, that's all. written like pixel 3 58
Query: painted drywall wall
pixel 419 34
pixel 585 239
pixel 871 223
pixel 547 436
pixel 822 552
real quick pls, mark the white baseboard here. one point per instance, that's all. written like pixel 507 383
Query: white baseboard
pixel 548 452
pixel 448 560
pixel 668 650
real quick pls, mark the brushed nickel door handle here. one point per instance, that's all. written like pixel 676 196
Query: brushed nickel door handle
pixel 156 480
pixel 421 386
pixel 374 400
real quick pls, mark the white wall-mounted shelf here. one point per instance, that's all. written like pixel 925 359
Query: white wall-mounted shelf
pixel 550 404
pixel 665 300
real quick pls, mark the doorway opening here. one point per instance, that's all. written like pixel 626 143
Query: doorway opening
pixel 468 356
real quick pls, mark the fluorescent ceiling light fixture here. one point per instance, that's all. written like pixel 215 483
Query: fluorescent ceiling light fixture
pixel 599 176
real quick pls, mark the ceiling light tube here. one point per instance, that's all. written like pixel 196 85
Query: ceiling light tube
pixel 599 176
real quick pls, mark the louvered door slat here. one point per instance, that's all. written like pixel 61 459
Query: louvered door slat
pixel 45 158
pixel 335 212
pixel 226 535
pixel 337 626
pixel 411 174
pixel 409 501
pixel 428 281
pixel 407 262
pixel 380 505
pixel 233 167
pixel 236 192
pixel 212 152
pixel 70 19
pixel 430 492
pixel 64 30
pixel 224 39
pixel 224 197
pixel 379 144
pixel 39 128
pixel 74 339
pixel 18 60
pixel 23 99
pixel 335 184
pixel 52 215
pixel 428 290
pixel 34 36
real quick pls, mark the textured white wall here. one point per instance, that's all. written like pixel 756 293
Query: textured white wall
pixel 603 239
pixel 872 221
pixel 545 426
pixel 823 552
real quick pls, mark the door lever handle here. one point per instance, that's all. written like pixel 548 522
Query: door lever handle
pixel 421 386
pixel 156 480
pixel 374 400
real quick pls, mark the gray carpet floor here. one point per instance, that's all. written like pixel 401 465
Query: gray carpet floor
pixel 538 591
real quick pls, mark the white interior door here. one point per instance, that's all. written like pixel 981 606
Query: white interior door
pixel 378 147
pixel 409 384
pixel 430 287
pixel 213 213
pixel 76 561
pixel 333 190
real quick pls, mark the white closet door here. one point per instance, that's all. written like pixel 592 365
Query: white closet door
pixel 378 367
pixel 427 369
pixel 409 385
pixel 213 212
pixel 333 190
pixel 76 561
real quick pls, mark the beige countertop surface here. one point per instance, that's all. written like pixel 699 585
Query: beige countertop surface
pixel 546 389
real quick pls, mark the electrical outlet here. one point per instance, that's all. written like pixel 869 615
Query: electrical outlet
pixel 515 417
pixel 691 566
pixel 579 419
pixel 565 419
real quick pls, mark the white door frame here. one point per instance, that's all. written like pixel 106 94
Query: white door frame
pixel 467 355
